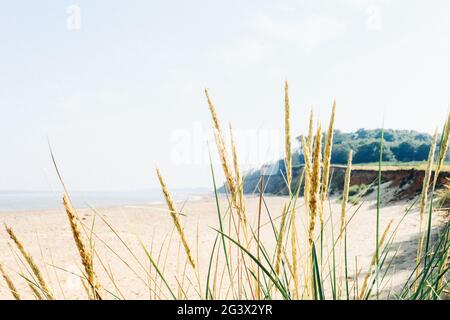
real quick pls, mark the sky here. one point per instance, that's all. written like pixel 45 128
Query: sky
pixel 117 87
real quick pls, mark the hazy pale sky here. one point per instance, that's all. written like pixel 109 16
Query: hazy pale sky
pixel 117 86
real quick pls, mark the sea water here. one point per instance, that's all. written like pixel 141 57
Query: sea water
pixel 12 201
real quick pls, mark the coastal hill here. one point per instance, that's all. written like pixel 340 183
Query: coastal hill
pixel 404 159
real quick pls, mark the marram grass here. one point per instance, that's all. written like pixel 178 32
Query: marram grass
pixel 43 286
pixel 243 265
pixel 83 250
pixel 174 214
pixel 287 136
pixel 9 283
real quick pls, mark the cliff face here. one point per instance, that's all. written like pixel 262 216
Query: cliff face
pixel 405 183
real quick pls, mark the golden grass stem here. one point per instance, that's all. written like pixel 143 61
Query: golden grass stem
pixel 424 196
pixel 280 240
pixel 307 169
pixel 174 214
pixel 36 293
pixel 343 220
pixel 29 259
pixel 287 136
pixel 9 283
pixel 239 180
pixel 313 199
pixel 327 161
pixel 295 274
pixel 307 147
pixel 258 244
pixel 220 143
pixel 345 193
pixel 315 184
pixel 83 250
pixel 442 149
pixel 311 132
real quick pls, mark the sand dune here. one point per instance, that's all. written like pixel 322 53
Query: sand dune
pixel 47 236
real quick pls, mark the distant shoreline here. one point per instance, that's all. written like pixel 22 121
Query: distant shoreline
pixel 29 201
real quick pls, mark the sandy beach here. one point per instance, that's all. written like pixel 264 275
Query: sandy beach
pixel 47 236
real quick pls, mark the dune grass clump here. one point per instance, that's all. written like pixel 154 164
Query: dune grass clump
pixel 175 219
pixel 9 283
pixel 83 250
pixel 306 257
pixel 40 283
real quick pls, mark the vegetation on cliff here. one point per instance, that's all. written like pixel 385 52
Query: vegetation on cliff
pixel 402 150
pixel 399 146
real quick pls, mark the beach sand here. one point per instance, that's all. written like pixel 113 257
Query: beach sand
pixel 47 236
